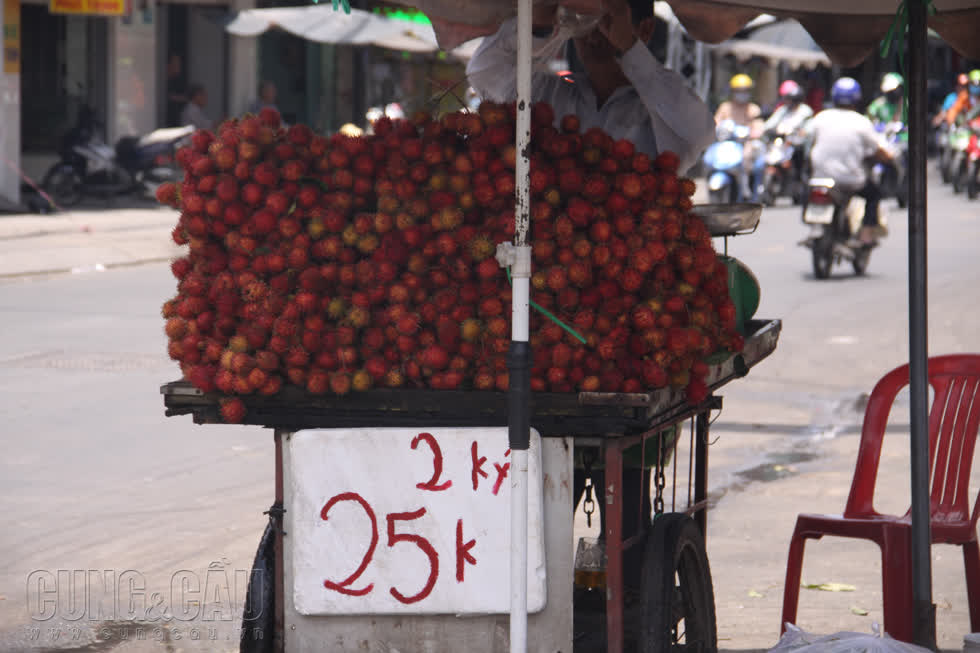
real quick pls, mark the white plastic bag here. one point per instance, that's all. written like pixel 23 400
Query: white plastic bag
pixel 798 641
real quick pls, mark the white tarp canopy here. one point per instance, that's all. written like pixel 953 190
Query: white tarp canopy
pixel 322 24
pixel 784 40
pixel 848 31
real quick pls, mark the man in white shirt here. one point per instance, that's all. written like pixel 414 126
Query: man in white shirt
pixel 842 141
pixel 193 113
pixel 625 91
pixel 621 88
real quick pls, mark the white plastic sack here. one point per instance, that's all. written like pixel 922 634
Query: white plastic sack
pixel 798 641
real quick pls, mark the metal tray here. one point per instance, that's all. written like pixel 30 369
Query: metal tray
pixel 553 414
pixel 729 219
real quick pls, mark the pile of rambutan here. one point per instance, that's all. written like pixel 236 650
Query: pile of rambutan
pixel 340 263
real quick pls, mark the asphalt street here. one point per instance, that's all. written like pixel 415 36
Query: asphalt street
pixel 94 477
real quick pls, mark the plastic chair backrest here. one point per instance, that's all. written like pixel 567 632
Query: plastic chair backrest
pixel 954 420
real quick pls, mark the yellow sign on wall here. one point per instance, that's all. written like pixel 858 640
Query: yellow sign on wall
pixel 92 7
pixel 11 37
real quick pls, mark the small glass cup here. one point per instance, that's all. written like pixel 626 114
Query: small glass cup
pixel 590 563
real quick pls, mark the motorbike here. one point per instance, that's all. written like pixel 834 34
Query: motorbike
pixel 892 178
pixel 834 221
pixel 783 176
pixel 88 166
pixel 724 164
pixel 941 137
pixel 959 140
pixel 966 160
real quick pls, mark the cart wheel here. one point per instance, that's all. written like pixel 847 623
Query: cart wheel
pixel 258 617
pixel 678 598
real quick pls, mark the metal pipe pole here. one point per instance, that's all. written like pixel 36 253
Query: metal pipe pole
pixel 519 358
pixel 925 611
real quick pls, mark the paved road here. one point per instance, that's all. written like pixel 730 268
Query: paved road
pixel 798 416
pixel 95 478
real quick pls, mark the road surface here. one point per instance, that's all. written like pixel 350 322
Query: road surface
pixel 94 477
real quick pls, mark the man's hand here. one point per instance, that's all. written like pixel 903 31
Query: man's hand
pixel 884 155
pixel 617 24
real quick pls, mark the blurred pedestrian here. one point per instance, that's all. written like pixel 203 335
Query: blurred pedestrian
pixel 193 113
pixel 266 99
pixel 176 97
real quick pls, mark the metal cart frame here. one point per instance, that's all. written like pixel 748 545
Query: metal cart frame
pixel 612 422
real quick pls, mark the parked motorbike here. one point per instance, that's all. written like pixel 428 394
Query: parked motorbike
pixel 892 178
pixel 724 164
pixel 965 161
pixel 90 167
pixel 783 176
pixel 834 222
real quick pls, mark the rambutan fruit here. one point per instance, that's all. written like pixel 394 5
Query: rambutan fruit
pixel 233 410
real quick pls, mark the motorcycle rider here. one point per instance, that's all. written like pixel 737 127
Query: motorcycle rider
pixel 792 111
pixel 741 110
pixel 967 100
pixel 841 140
pixel 887 107
pixel 950 99
pixel 787 120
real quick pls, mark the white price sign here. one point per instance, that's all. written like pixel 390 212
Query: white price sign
pixel 408 521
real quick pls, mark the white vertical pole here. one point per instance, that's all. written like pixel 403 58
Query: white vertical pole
pixel 520 353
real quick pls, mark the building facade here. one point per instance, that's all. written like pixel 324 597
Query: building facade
pixel 118 66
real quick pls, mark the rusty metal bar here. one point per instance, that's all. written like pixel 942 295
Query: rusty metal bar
pixel 701 468
pixel 614 546
pixel 279 637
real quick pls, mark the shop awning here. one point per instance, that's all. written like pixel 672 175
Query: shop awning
pixel 846 30
pixel 784 40
pixel 322 24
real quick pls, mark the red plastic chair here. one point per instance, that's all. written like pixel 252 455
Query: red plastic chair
pixel 954 420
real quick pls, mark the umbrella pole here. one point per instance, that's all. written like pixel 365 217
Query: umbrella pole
pixel 925 611
pixel 519 358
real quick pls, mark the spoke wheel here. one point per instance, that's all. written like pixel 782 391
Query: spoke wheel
pixel 944 158
pixel 677 594
pixel 258 616
pixel 64 185
pixel 769 191
pixel 823 258
pixel 959 177
pixel 860 261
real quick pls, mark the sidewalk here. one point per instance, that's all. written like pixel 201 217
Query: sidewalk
pixel 92 236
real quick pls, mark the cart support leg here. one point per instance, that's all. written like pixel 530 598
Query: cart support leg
pixel 614 547
pixel 278 637
pixel 701 470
